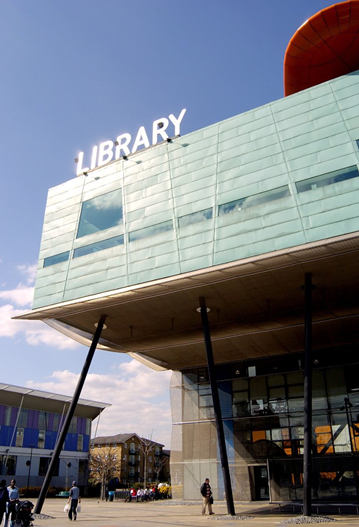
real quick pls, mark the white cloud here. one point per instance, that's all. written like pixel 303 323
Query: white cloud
pixel 29 271
pixel 34 332
pixel 21 296
pixel 139 398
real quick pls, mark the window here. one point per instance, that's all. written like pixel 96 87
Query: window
pixel 195 217
pixel 80 443
pixel 73 426
pixel 43 420
pixel 132 448
pixel 55 423
pixel 125 457
pixel 82 466
pixel 327 179
pixel 240 405
pixel 99 246
pixel 8 415
pixel 44 465
pixel 150 231
pixel 205 403
pixel 57 258
pixel 88 427
pixel 100 213
pixel 252 201
pixel 41 440
pixel 8 465
pixel 19 437
pixel 22 421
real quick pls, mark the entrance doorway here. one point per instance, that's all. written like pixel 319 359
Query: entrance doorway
pixel 261 487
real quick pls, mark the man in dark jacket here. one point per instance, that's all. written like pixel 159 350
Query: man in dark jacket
pixel 207 496
pixel 4 498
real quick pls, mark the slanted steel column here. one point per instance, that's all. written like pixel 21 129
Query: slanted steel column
pixel 307 457
pixel 216 407
pixel 69 416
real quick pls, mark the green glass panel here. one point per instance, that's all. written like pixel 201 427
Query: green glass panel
pixel 99 246
pixel 195 217
pixel 57 258
pixel 327 179
pixel 252 201
pixel 150 231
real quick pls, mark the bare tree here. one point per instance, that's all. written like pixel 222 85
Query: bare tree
pixel 146 446
pixel 104 464
pixel 159 464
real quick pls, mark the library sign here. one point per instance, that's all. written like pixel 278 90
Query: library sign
pixel 123 146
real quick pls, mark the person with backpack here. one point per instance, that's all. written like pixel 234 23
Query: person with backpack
pixel 4 498
pixel 206 492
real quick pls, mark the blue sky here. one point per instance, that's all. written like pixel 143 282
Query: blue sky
pixel 75 73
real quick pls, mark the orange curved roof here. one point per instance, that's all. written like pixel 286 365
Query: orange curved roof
pixel 324 47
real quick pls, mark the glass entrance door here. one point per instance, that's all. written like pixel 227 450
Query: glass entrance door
pixel 261 488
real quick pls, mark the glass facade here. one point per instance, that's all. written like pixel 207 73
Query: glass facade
pixel 263 414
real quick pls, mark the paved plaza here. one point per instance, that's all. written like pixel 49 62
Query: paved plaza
pixel 167 513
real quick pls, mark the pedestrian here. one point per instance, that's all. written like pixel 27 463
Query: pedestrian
pixel 4 498
pixel 133 493
pixel 13 501
pixel 206 492
pixel 74 500
pixel 138 494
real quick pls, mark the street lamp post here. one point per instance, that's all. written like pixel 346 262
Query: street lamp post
pixel 28 463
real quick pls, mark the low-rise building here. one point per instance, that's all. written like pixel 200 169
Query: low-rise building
pixel 140 457
pixel 30 421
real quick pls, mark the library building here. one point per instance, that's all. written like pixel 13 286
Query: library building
pixel 230 255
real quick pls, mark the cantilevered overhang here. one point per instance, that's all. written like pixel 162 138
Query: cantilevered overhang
pixel 257 308
pixel 47 401
pixel 326 46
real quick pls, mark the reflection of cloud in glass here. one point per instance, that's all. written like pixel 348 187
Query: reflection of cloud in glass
pixel 99 246
pixel 327 179
pixel 101 213
pixel 151 231
pixel 195 217
pixel 111 200
pixel 252 201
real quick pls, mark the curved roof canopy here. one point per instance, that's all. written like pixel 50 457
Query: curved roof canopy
pixel 326 46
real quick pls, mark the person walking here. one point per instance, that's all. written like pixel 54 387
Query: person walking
pixel 13 500
pixel 206 492
pixel 4 498
pixel 74 500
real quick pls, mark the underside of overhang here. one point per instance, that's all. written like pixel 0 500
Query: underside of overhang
pixel 256 308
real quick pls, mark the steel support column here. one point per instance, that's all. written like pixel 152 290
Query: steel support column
pixel 307 457
pixel 69 416
pixel 217 408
